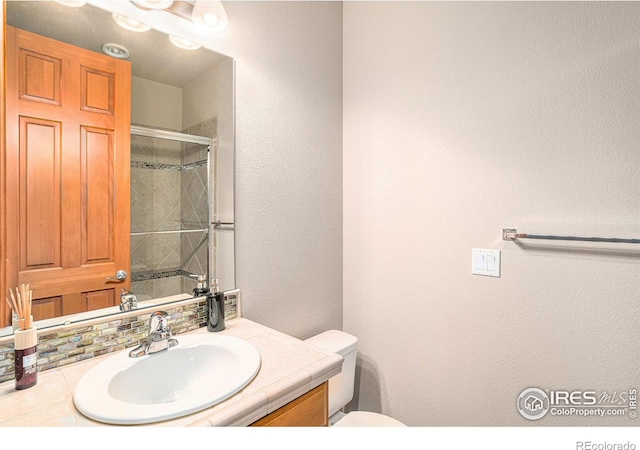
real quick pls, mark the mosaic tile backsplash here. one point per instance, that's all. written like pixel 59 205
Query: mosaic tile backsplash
pixel 114 334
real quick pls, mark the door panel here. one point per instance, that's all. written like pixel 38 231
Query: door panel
pixel 98 299
pixel 41 77
pixel 40 212
pixel 96 150
pixel 96 90
pixel 46 307
pixel 68 127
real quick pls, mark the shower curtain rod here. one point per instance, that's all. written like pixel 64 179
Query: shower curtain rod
pixel 511 234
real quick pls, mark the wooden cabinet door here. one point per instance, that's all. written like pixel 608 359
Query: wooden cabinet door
pixel 67 174
pixel 309 410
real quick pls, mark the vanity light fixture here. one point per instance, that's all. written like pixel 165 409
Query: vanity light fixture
pixel 207 14
pixel 210 15
pixel 115 50
pixel 130 24
pixel 183 43
pixel 154 4
pixel 73 3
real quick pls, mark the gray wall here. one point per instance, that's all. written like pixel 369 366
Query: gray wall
pixel 288 161
pixel 156 104
pixel 461 118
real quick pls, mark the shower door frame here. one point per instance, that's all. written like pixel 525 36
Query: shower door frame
pixel 137 130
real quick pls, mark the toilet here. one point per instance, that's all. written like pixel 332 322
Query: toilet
pixel 341 386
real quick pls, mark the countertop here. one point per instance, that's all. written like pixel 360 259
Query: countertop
pixel 290 367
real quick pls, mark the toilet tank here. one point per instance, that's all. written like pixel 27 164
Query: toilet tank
pixel 341 385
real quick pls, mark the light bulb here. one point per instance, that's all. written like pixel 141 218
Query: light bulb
pixel 210 15
pixel 130 24
pixel 210 19
pixel 183 43
pixel 115 50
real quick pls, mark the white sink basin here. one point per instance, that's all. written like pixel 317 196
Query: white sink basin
pixel 201 371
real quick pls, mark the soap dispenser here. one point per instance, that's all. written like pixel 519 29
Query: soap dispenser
pixel 215 308
pixel 201 289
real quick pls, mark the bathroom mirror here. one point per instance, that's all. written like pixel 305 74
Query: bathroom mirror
pixel 176 92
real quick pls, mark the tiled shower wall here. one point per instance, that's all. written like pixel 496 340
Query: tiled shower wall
pixel 169 192
pixel 194 213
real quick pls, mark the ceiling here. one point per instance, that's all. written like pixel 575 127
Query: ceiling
pixel 153 57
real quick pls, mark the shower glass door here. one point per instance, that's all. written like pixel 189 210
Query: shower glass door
pixel 169 212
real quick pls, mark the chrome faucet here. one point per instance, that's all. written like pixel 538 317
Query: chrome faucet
pixel 128 300
pixel 159 338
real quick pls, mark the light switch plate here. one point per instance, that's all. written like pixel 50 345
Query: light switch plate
pixel 485 262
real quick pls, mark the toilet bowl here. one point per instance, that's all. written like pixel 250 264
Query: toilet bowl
pixel 367 419
pixel 341 386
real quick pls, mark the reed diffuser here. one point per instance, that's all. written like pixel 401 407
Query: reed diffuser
pixel 25 337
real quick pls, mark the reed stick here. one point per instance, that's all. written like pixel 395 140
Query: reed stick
pixel 19 300
pixel 30 305
pixel 23 295
pixel 18 305
pixel 21 312
pixel 21 304
pixel 11 305
pixel 15 304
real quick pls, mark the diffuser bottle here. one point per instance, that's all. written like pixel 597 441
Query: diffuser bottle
pixel 201 289
pixel 25 337
pixel 26 357
pixel 215 308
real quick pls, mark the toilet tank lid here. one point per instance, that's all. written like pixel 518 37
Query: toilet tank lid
pixel 335 341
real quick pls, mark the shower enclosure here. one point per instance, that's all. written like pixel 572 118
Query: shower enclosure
pixel 169 211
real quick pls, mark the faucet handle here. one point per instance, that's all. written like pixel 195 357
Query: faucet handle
pixel 200 278
pixel 128 300
pixel 158 322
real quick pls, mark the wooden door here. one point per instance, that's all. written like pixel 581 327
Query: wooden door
pixel 67 174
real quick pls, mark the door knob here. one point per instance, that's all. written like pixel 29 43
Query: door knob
pixel 121 275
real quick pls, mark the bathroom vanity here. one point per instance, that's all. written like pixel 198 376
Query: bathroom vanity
pixel 290 388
